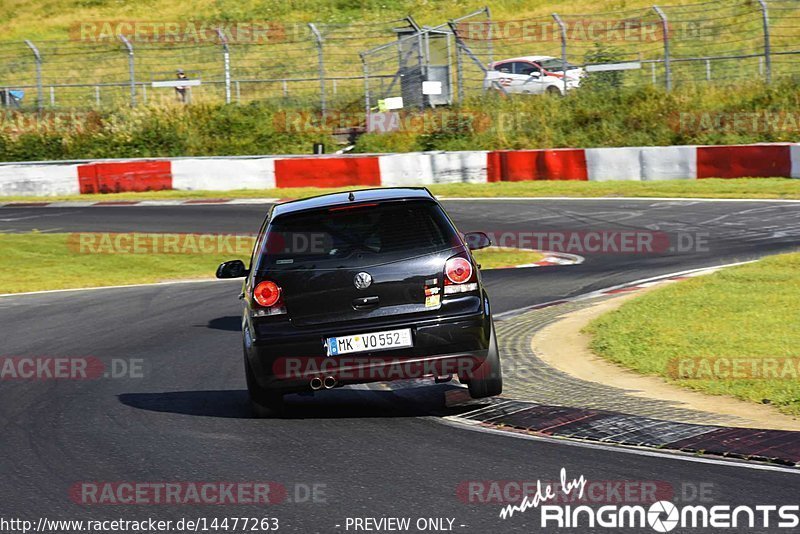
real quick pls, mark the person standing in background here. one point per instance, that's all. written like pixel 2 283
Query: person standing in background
pixel 181 90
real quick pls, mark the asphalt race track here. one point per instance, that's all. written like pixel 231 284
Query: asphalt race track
pixel 368 452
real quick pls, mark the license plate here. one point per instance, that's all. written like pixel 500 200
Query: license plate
pixel 391 339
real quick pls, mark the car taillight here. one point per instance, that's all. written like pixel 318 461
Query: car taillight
pixel 267 293
pixel 457 270
pixel 459 276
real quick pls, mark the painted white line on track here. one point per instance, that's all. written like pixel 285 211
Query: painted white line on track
pixel 600 292
pixel 68 204
pixel 622 449
pixel 74 289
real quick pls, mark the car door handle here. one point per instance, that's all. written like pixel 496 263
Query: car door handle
pixel 363 303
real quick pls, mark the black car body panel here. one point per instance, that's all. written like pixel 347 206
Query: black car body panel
pixel 401 239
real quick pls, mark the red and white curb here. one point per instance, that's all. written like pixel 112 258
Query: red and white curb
pixel 550 259
pixel 50 178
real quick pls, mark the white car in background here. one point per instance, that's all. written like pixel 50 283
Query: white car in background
pixel 535 75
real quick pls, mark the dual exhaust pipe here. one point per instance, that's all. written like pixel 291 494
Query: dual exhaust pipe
pixel 318 383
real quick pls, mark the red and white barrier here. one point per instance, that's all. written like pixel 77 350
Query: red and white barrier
pixel 223 174
pixel 24 179
pixel 416 168
pixel 794 155
pixel 432 168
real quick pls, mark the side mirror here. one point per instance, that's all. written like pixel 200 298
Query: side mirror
pixel 477 240
pixel 232 269
pixel 536 74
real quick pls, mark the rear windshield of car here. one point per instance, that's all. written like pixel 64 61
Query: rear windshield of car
pixel 358 235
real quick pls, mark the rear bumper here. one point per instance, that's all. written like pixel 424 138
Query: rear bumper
pixel 288 359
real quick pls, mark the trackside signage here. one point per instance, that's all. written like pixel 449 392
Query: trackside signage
pixel 548 500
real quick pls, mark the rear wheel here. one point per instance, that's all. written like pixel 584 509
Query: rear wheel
pixel 487 380
pixel 263 402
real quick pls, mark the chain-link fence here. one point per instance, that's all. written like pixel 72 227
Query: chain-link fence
pixel 370 66
pixel 296 65
pixel 720 41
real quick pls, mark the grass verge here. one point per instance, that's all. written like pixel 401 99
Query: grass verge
pixel 59 261
pixel 766 188
pixel 729 333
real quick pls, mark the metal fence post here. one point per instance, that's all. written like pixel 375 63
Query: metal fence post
pixel 490 43
pixel 321 65
pixel 39 99
pixel 667 65
pixel 422 70
pixel 131 70
pixel 226 61
pixel 767 45
pixel 366 89
pixel 563 29
pixel 459 72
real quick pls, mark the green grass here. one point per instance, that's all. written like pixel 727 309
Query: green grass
pixel 59 261
pixel 51 263
pixel 497 257
pixel 746 312
pixel 765 188
pixel 51 19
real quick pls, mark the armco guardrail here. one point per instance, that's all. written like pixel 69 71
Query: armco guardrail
pixel 416 168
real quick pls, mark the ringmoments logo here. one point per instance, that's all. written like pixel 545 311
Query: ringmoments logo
pixel 660 516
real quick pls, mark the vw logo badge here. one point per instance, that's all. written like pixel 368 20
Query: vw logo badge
pixel 363 280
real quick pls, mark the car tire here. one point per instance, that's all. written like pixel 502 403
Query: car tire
pixel 487 380
pixel 553 91
pixel 263 402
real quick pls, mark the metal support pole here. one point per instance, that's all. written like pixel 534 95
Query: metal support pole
pixel 667 65
pixel 131 69
pixel 321 66
pixel 563 29
pixel 226 62
pixel 490 42
pixel 38 56
pixel 708 70
pixel 460 73
pixel 366 90
pixel 97 95
pixel 422 70
pixel 767 45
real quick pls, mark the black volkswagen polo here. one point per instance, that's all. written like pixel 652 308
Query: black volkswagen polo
pixel 367 286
